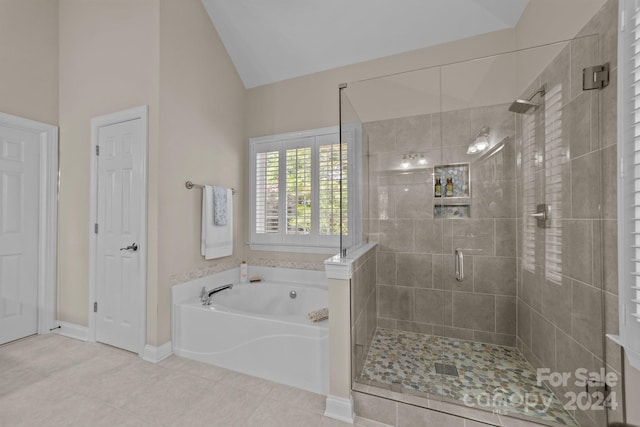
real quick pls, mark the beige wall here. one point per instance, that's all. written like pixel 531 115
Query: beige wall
pixel 29 71
pixel 311 101
pixel 166 54
pixel 201 139
pixel 108 62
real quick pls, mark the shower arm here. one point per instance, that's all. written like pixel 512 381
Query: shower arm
pixel 542 91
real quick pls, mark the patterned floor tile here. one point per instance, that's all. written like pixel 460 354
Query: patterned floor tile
pixel 490 376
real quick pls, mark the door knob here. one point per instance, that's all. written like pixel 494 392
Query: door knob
pixel 132 247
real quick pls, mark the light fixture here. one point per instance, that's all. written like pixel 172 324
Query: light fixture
pixel 405 162
pixel 480 142
pixel 408 159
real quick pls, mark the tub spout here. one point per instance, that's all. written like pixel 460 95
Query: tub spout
pixel 206 300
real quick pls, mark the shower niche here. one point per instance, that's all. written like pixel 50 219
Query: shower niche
pixel 452 191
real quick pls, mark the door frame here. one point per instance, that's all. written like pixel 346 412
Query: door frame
pixel 141 113
pixel 47 216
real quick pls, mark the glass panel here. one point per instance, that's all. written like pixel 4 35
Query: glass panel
pixel 351 159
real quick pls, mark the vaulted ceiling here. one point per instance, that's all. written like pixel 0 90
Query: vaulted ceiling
pixel 274 40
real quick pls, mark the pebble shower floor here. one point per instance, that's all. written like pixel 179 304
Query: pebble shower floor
pixel 486 373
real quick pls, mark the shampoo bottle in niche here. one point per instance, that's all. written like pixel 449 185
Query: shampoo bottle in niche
pixel 438 188
pixel 244 272
pixel 449 187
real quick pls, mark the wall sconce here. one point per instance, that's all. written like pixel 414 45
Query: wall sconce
pixel 480 142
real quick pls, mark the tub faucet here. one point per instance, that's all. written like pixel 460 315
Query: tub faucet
pixel 205 296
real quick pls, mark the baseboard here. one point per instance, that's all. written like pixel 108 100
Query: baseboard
pixel 156 354
pixel 72 330
pixel 340 409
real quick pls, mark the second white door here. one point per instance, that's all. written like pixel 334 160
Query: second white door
pixel 19 209
pixel 120 196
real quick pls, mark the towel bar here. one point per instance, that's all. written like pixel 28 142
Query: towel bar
pixel 191 185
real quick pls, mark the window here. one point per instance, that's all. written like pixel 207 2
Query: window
pixel 629 179
pixel 298 183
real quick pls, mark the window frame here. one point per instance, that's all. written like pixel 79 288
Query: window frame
pixel 314 242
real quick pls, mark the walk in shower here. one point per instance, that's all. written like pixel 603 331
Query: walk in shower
pixel 487 186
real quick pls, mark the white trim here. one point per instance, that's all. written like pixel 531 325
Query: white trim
pixel 72 330
pixel 141 113
pixel 338 271
pixel 48 215
pixel 340 409
pixel 298 134
pixel 340 268
pixel 157 354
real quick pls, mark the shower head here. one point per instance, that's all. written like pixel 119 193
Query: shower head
pixel 522 106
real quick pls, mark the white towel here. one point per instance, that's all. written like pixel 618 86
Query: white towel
pixel 217 241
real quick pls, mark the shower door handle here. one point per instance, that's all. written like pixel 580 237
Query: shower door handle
pixel 459 265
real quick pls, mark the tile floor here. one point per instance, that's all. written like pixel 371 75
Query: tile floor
pixel 407 360
pixel 50 380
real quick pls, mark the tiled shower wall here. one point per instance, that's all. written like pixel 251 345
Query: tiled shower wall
pixel 416 286
pixel 568 272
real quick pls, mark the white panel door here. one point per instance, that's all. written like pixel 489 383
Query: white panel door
pixel 118 265
pixel 19 204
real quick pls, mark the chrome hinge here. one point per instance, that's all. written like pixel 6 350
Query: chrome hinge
pixel 97 150
pixel 602 391
pixel 95 228
pixel 95 307
pixel 595 77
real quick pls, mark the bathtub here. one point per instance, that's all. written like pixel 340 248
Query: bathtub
pixel 259 330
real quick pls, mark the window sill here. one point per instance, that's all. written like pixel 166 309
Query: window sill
pixel 294 248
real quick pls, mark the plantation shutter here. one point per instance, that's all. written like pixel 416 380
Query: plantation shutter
pixel 296 181
pixel 267 191
pixel 629 188
pixel 298 192
pixel 330 165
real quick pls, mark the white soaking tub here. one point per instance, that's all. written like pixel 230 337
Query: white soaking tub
pixel 259 330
